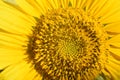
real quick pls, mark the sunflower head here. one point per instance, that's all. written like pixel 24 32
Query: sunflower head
pixel 60 40
pixel 68 44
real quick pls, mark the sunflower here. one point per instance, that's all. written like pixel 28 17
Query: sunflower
pixel 60 40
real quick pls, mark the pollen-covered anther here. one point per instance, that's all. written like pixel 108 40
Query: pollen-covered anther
pixel 68 44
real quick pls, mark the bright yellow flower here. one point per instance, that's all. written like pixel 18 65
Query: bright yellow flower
pixel 60 40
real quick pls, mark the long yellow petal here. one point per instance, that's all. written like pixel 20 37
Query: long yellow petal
pixel 115 53
pixel 10 56
pixel 23 70
pixel 74 3
pixel 114 39
pixel 28 8
pixel 78 5
pixel 97 6
pixel 112 18
pixel 53 4
pixel 12 27
pixel 113 72
pixel 113 68
pixel 16 11
pixel 56 4
pixel 36 6
pixel 111 59
pixel 12 38
pixel 113 27
pixel 32 75
pixel 111 12
pixel 12 22
pixel 86 4
pixel 44 5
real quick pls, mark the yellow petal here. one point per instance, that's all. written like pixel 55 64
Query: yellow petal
pixel 10 56
pixel 39 77
pixel 28 8
pixel 74 3
pixel 113 68
pixel 111 13
pixel 86 4
pixel 15 21
pixel 32 75
pixel 53 4
pixel 115 53
pixel 65 3
pixel 115 45
pixel 113 27
pixel 112 64
pixel 5 44
pixel 107 11
pixel 19 71
pixel 113 72
pixel 16 11
pixel 12 38
pixel 106 73
pixel 10 1
pixel 111 59
pixel 78 4
pixel 35 5
pixel 115 38
pixel 44 5
pixel 97 6
pixel 112 18
pixel 56 4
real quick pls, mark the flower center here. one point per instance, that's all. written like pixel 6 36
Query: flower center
pixel 67 44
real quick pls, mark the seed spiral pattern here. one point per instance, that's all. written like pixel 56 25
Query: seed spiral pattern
pixel 67 44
